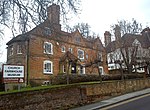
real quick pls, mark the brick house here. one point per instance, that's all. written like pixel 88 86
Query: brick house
pixel 42 49
pixel 137 45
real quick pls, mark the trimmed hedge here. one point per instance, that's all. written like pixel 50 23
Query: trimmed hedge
pixel 62 79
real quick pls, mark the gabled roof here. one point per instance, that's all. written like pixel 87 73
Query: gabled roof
pixel 127 40
pixel 37 31
pixel 77 34
pixel 111 47
pixel 70 57
pixel 145 40
pixel 98 43
pixel 19 38
pixel 58 35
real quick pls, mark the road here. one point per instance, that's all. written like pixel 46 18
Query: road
pixel 138 103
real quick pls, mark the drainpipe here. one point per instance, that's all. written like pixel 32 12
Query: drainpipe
pixel 28 42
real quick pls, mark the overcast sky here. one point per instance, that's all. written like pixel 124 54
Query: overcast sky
pixel 100 14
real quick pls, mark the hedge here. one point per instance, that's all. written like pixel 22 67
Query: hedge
pixel 74 78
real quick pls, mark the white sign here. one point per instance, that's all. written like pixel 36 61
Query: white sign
pixel 13 71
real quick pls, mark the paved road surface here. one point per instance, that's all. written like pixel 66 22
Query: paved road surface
pixel 138 103
pixel 123 98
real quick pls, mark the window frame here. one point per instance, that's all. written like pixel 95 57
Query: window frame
pixel 82 70
pixel 19 49
pixel 81 58
pixel 10 50
pixel 64 68
pixel 45 50
pixel 87 56
pixel 45 69
pixel 63 49
pixel 47 31
pixel 101 69
pixel 70 50
pixel 78 39
pixel 100 56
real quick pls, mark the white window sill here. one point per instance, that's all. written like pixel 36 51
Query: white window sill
pixel 47 73
pixel 19 53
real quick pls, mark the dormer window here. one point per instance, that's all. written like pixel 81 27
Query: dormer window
pixel 78 40
pixel 47 31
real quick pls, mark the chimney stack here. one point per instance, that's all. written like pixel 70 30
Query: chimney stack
pixel 107 38
pixel 53 13
pixel 117 30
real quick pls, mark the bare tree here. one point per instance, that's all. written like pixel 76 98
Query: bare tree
pixel 132 27
pixel 95 61
pixel 129 54
pixel 84 29
pixel 127 50
pixel 29 12
pixel 145 53
pixel 68 59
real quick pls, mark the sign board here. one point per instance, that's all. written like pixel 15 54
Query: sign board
pixel 13 74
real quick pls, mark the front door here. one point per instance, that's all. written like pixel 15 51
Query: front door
pixel 73 68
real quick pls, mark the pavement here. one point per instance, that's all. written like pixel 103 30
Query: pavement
pixel 113 100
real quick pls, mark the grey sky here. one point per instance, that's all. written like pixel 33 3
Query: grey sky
pixel 100 14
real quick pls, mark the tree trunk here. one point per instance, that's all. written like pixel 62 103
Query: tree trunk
pixel 122 75
pixel 145 68
pixel 100 76
pixel 68 73
pixel 135 70
pixel 130 69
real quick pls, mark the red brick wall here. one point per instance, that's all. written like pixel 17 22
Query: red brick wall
pixel 37 55
pixel 62 98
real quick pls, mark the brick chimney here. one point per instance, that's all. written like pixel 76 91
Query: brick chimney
pixel 117 30
pixel 53 13
pixel 107 38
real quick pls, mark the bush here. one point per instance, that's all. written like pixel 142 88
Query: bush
pixel 2 87
pixel 74 78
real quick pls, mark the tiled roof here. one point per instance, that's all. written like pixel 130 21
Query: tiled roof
pixel 19 38
pixel 58 35
pixel 127 40
pixel 145 40
pixel 111 47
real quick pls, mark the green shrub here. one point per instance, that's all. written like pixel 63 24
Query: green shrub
pixel 74 78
